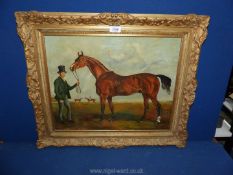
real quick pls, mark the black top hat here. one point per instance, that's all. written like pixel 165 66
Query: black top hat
pixel 61 68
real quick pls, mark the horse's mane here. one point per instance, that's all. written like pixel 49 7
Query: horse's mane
pixel 97 62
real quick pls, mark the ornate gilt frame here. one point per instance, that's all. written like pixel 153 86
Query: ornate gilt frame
pixel 32 26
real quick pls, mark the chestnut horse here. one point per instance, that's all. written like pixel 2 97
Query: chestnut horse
pixel 109 84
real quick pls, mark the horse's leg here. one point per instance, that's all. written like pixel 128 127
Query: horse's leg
pixel 102 103
pixel 111 106
pixel 146 106
pixel 158 109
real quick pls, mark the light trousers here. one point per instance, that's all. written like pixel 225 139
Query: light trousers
pixel 65 104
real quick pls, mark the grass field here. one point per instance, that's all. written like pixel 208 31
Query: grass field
pixel 87 117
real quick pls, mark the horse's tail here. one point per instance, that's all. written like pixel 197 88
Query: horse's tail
pixel 166 82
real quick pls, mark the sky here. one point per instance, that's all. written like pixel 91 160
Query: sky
pixel 123 55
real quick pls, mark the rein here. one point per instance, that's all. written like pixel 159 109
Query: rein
pixel 78 89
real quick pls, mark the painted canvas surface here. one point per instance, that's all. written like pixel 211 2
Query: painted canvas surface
pixel 123 56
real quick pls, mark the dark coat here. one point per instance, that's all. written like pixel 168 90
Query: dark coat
pixel 62 89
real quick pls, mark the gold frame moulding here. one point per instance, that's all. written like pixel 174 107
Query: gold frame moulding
pixel 33 26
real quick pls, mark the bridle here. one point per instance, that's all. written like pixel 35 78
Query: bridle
pixel 78 89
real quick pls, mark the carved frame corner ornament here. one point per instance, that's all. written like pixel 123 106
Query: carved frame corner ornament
pixel 191 28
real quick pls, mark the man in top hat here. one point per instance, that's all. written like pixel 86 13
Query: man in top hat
pixel 62 93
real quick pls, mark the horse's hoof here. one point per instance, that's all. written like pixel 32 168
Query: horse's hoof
pixel 111 121
pixel 158 120
pixel 63 122
pixel 139 121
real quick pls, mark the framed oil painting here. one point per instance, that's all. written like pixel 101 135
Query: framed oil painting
pixel 111 80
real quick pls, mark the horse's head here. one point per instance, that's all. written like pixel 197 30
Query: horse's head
pixel 79 62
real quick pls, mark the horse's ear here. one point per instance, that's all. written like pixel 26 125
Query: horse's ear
pixel 78 54
pixel 82 53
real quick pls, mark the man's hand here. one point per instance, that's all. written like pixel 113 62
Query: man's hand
pixel 77 82
pixel 61 101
